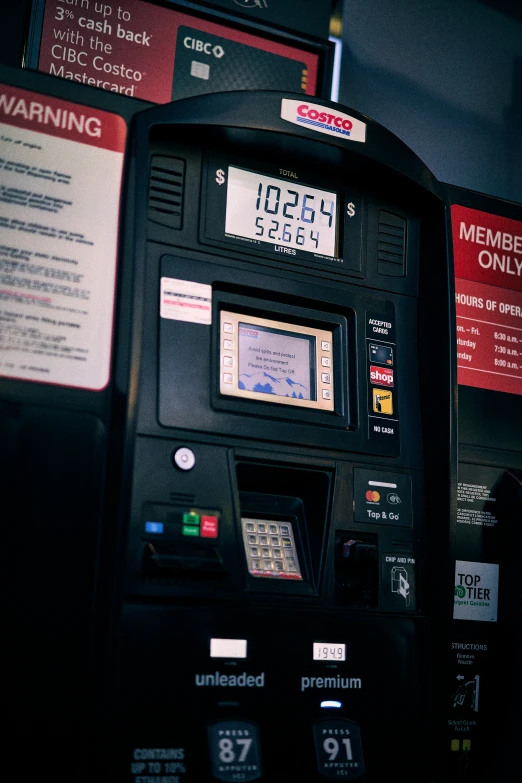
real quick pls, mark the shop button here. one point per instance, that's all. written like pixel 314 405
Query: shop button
pixel 209 527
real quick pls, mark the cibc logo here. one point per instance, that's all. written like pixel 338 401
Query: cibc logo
pixel 323 119
pixel 381 375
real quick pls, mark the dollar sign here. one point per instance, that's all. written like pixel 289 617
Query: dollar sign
pixel 350 209
pixel 220 176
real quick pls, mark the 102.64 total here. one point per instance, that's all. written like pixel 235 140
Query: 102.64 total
pixel 268 202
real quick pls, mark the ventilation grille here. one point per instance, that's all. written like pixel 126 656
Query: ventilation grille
pixel 391 248
pixel 182 497
pixel 166 183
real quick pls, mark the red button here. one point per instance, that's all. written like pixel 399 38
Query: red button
pixel 208 527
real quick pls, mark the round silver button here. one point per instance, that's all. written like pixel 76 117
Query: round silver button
pixel 184 458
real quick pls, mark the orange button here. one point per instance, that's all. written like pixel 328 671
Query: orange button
pixel 209 527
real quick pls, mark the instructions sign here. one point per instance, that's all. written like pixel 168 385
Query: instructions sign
pixel 158 54
pixel 61 166
pixel 488 271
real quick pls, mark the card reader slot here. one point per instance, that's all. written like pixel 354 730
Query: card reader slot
pixel 163 560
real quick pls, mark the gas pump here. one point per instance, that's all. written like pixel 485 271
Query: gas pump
pixel 485 634
pixel 286 476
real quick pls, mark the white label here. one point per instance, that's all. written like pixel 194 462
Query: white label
pixel 228 648
pixel 60 179
pixel 183 300
pixel 476 591
pixel 323 119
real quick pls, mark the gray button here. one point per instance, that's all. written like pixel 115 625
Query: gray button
pixel 184 458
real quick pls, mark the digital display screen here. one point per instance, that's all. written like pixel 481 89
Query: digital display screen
pixel 228 648
pixel 273 361
pixel 324 651
pixel 269 210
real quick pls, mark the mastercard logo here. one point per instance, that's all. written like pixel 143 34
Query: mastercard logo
pixel 373 496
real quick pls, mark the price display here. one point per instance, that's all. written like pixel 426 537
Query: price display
pixel 290 215
pixel 329 652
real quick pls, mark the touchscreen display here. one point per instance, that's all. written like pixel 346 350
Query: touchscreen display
pixel 273 361
pixel 265 209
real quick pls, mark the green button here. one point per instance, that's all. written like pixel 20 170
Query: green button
pixel 191 519
pixel 190 530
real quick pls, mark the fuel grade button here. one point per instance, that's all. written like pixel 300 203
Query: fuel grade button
pixel 234 750
pixel 338 749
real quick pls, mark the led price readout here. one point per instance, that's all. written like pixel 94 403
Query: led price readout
pixel 275 211
pixel 327 651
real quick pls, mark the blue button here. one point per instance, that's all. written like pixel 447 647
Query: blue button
pixel 154 527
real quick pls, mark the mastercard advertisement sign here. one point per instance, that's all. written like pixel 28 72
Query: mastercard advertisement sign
pixel 159 54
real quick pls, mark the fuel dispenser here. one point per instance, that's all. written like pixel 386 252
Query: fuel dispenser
pixel 286 485
pixel 62 152
pixel 483 686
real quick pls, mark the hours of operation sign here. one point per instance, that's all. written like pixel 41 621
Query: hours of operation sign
pixel 488 286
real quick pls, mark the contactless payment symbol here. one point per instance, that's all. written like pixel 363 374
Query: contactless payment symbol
pixel 381 354
pixel 382 401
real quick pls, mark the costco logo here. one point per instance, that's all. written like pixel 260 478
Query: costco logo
pixel 323 119
pixel 381 375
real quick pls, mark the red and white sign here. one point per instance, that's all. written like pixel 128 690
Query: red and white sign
pixel 321 119
pixel 130 47
pixel 488 285
pixel 487 248
pixel 61 166
pixel 381 375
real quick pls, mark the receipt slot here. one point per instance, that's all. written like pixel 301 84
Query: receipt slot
pixel 285 447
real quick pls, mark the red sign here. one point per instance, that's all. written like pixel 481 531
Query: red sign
pixel 131 48
pixel 487 248
pixel 61 165
pixel 381 375
pixel 489 337
pixel 33 111
pixel 488 286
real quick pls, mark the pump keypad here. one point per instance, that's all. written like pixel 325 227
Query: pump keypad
pixel 270 549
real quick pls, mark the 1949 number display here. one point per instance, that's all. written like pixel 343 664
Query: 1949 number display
pixel 329 652
pixel 267 209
